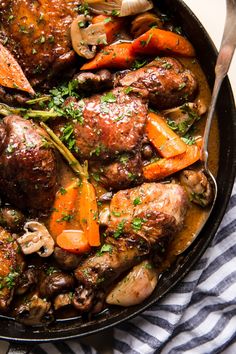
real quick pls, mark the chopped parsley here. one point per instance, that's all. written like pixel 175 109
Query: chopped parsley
pixel 109 97
pixel 127 90
pixel 139 64
pixel 120 229
pixel 63 191
pixel 188 139
pixel 105 248
pixel 137 224
pixel 137 201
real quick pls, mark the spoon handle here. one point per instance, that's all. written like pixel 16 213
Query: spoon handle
pixel 224 58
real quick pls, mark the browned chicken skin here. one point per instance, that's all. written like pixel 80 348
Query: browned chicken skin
pixel 112 123
pixel 38 34
pixel 152 210
pixel 164 81
pixel 28 168
pixel 10 268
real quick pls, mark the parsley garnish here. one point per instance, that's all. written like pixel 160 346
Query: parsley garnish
pixel 109 97
pixel 137 201
pixel 120 229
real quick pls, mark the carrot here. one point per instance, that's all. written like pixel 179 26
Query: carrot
pixel 157 41
pixel 88 209
pixel 65 206
pixel 112 26
pixel 89 213
pixel 118 56
pixel 165 140
pixel 11 74
pixel 74 241
pixel 166 167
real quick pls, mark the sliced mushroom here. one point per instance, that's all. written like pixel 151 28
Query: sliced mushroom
pixel 82 37
pixel 138 285
pixel 36 239
pixel 62 300
pixel 32 311
pixel 143 22
pixel 183 117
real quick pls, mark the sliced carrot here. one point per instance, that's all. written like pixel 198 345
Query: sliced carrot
pixel 166 167
pixel 112 26
pixel 118 56
pixel 157 41
pixel 11 74
pixel 165 140
pixel 74 241
pixel 65 206
pixel 89 213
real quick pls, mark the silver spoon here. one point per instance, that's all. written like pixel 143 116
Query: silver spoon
pixel 224 59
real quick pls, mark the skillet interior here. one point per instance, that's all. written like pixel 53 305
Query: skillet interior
pixel 206 53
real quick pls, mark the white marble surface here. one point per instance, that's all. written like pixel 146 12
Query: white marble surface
pixel 212 15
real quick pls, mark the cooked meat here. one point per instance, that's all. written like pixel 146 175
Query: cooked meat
pixel 11 265
pixel 152 210
pixel 105 266
pixel 120 174
pixel 12 97
pixel 94 82
pixel 27 165
pixel 112 123
pixel 198 187
pixel 38 34
pixel 164 81
pixel 101 269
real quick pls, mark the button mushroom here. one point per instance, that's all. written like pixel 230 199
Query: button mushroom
pixel 85 39
pixel 36 239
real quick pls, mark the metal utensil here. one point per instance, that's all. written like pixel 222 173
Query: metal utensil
pixel 223 61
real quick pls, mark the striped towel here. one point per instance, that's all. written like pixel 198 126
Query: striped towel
pixel 197 317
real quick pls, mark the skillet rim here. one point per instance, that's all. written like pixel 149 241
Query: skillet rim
pixel 227 163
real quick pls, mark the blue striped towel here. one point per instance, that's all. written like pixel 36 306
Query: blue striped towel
pixel 198 316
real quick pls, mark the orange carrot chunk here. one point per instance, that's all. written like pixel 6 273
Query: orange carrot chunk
pixel 166 167
pixel 156 41
pixel 74 241
pixel 112 26
pixel 11 74
pixel 64 211
pixel 165 140
pixel 89 213
pixel 117 56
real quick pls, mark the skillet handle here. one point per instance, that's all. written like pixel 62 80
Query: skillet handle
pixel 19 348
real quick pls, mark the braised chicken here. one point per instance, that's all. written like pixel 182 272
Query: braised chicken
pixel 11 266
pixel 28 167
pixel 164 81
pixel 75 177
pixel 152 210
pixel 38 35
pixel 109 124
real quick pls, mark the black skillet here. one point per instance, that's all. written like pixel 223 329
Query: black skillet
pixel 22 338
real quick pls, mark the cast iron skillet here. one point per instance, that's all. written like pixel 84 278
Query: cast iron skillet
pixel 22 338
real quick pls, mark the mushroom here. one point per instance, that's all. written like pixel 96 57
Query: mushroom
pixel 62 300
pixel 32 311
pixel 143 22
pixel 82 37
pixel 138 285
pixel 36 239
pixel 183 117
pixel 56 283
